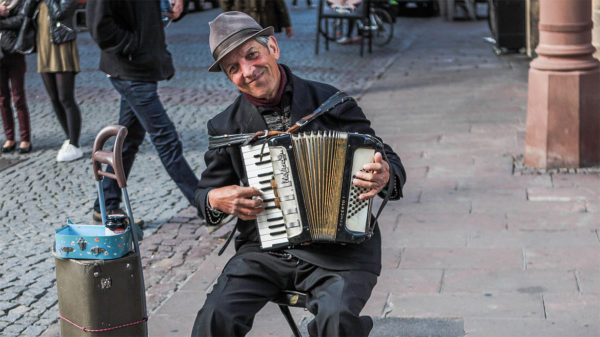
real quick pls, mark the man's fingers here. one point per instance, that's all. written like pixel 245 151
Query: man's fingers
pixel 362 175
pixel 368 195
pixel 365 184
pixel 378 158
pixel 378 165
pixel 248 192
pixel 242 203
pixel 246 213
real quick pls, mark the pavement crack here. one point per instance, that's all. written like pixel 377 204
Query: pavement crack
pixel 442 278
pixel 577 281
pixel 400 257
pixel 397 223
pixel 544 307
pixel 388 307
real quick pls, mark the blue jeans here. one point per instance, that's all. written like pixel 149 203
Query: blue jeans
pixel 141 111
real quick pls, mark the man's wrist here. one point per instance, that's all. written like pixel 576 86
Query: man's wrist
pixel 210 208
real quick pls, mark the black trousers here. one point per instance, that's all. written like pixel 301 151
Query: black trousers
pixel 250 280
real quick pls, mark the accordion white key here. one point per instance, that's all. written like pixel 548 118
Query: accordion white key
pixel 306 181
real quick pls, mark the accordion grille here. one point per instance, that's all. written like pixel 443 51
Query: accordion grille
pixel 320 159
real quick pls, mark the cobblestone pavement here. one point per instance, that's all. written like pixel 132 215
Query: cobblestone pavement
pixel 39 194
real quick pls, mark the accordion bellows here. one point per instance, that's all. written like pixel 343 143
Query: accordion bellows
pixel 306 181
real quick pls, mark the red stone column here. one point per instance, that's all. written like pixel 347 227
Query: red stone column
pixel 563 109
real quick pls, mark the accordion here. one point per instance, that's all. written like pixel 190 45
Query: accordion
pixel 306 181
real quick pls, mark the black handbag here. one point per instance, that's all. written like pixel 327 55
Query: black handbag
pixel 25 43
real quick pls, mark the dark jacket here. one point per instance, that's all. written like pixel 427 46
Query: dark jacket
pixel 265 12
pixel 9 28
pixel 61 13
pixel 224 166
pixel 131 37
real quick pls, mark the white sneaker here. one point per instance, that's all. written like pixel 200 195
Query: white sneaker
pixel 68 152
pixel 62 150
pixel 64 144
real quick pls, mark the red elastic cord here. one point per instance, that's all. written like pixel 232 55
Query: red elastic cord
pixel 100 330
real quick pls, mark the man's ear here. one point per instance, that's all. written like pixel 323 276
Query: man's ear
pixel 273 47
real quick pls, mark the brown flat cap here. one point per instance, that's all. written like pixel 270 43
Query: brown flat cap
pixel 230 30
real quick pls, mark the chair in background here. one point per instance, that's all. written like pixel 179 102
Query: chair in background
pixel 327 15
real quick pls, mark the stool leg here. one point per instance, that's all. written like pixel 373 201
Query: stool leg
pixel 288 317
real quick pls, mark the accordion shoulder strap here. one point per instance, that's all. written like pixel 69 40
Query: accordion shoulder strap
pixel 231 234
pixel 215 142
pixel 330 103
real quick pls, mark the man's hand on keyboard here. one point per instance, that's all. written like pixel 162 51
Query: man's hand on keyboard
pixel 236 200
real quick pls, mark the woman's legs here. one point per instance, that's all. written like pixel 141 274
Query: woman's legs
pixel 61 89
pixel 66 93
pixel 49 80
pixel 17 84
pixel 5 108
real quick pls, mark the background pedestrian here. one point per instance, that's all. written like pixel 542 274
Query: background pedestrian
pixel 12 78
pixel 58 63
pixel 134 54
pixel 265 12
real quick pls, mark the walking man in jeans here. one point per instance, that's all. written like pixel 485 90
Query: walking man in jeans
pixel 134 55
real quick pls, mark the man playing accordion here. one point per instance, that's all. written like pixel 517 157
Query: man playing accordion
pixel 338 279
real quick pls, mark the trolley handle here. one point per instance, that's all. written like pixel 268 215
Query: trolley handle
pixel 114 158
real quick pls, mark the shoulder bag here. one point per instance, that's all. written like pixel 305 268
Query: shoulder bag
pixel 25 43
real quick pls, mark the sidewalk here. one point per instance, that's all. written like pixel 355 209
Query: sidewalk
pixel 476 247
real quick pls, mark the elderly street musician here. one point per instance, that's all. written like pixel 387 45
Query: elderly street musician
pixel 298 164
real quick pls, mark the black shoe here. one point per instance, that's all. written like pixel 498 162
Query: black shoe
pixel 97 217
pixel 27 149
pixel 7 149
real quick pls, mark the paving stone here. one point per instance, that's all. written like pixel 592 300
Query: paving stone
pixel 458 258
pixel 533 238
pixel 486 281
pixel 45 322
pixel 13 330
pixel 6 306
pixel 169 263
pixel 28 319
pixel 489 327
pixel 562 258
pixel 11 317
pixel 20 310
pixel 34 330
pixel 26 300
pixel 7 296
pixel 407 281
pixel 171 242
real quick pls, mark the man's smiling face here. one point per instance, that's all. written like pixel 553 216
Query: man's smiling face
pixel 253 68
